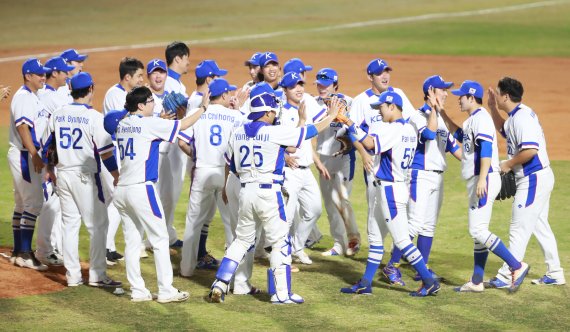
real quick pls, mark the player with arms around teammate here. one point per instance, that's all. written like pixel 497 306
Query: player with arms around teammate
pixel 395 143
pixel 26 163
pixel 480 168
pixel 426 173
pixel 336 191
pixel 139 135
pixel 527 158
pixel 81 143
pixel 256 151
pixel 210 138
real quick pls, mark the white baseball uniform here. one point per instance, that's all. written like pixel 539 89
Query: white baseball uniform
pixel 210 136
pixel 136 198
pixel 535 181
pixel 27 109
pixel 81 138
pixel 336 191
pixel 426 172
pixel 49 235
pixel 173 167
pixel 300 183
pixel 114 100
pixel 65 92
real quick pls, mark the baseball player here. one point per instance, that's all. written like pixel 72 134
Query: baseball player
pixel 81 143
pixel 253 69
pixel 26 163
pixel 256 151
pixel 528 159
pixel 300 183
pixel 426 174
pixel 156 71
pixel 49 236
pixel 210 138
pixel 131 73
pixel 73 58
pixel 336 191
pixel 480 168
pixel 378 73
pixel 173 167
pixel 395 143
pixel 138 136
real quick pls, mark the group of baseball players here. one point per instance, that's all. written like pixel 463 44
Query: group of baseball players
pixel 248 153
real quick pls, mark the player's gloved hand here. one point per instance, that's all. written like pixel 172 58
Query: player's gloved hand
pixel 345 145
pixel 508 186
pixel 175 103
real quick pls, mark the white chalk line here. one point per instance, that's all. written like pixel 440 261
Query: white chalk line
pixel 426 17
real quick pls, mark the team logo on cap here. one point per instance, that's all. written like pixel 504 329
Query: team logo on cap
pixel 380 63
pixel 293 76
pixel 472 91
pixel 268 55
pixel 155 63
pixel 389 99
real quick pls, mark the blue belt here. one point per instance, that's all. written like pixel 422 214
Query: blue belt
pixel 261 185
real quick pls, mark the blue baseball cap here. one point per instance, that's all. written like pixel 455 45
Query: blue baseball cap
pixel 260 104
pixel 72 55
pixel 81 80
pixel 268 57
pixel 254 60
pixel 111 120
pixel 290 79
pixel 296 65
pixel 259 88
pixel 388 97
pixel 437 82
pixel 209 68
pixel 327 76
pixel 218 86
pixel 377 66
pixel 34 66
pixel 469 88
pixel 155 64
pixel 57 63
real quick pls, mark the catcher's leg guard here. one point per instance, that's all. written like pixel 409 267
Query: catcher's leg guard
pixel 282 280
pixel 227 269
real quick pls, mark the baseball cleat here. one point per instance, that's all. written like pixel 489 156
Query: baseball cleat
pixel 178 297
pixel 518 277
pixel 252 291
pixel 496 283
pixel 424 291
pixel 302 257
pixel 291 299
pixel 13 258
pixel 310 243
pixel 330 252
pixel 52 259
pixel 107 283
pixel 294 269
pixel 417 277
pixel 353 248
pixel 218 291
pixel 362 287
pixel 143 254
pixel 149 297
pixel 75 283
pixel 207 262
pixel 546 280
pixel 393 275
pixel 113 257
pixel 29 260
pixel 470 287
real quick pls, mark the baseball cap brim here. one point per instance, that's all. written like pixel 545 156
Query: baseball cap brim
pixel 267 62
pixel 221 72
pixel 308 68
pixel 232 88
pixel 324 82
pixel 459 92
pixel 80 57
pixel 41 71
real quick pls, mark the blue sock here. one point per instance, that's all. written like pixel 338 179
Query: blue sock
pixel 413 255
pixel 202 246
pixel 424 246
pixel 27 225
pixel 16 231
pixel 396 256
pixel 501 250
pixel 375 254
pixel 480 259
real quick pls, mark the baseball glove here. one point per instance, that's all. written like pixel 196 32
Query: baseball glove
pixel 173 101
pixel 51 153
pixel 345 145
pixel 341 116
pixel 508 186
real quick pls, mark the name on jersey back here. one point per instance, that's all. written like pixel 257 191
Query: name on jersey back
pixel 72 119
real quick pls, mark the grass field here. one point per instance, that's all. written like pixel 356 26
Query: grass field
pixel 536 32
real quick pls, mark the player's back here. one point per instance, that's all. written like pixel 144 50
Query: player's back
pixel 80 137
pixel 478 126
pixel 114 98
pixel 211 135
pixel 397 141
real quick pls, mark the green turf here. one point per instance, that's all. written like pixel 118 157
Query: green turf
pixel 532 308
pixel 538 31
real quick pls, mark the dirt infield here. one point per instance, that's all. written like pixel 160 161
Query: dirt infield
pixel 544 80
pixel 24 281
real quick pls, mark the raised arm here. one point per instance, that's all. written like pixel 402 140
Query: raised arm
pixel 497 118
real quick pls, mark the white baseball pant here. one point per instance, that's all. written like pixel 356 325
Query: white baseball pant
pixel 112 213
pixel 81 197
pixel 141 210
pixel 426 197
pixel 48 237
pixel 480 210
